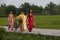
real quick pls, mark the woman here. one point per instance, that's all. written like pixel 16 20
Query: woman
pixel 30 21
pixel 22 21
pixel 10 21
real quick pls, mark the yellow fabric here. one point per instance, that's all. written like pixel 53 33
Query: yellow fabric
pixel 25 26
pixel 24 21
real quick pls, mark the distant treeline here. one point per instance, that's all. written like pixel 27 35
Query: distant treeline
pixel 50 9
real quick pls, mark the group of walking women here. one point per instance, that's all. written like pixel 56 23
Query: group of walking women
pixel 26 23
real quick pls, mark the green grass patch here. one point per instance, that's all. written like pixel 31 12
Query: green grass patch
pixel 48 21
pixel 21 36
pixel 3 21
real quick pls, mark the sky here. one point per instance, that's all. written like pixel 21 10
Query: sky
pixel 17 3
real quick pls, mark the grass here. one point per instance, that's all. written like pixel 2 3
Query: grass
pixel 20 36
pixel 47 21
pixel 3 21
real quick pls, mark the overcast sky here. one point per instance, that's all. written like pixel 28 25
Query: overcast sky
pixel 17 3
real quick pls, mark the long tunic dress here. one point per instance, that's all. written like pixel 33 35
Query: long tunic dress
pixel 23 27
pixel 30 22
pixel 10 21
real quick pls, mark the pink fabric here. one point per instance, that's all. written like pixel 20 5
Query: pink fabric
pixel 10 23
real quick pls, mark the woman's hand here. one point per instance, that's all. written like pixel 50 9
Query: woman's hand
pixel 34 25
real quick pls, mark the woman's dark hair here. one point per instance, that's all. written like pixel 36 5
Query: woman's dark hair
pixel 30 10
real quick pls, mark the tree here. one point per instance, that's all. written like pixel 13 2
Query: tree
pixel 2 10
pixel 50 8
pixel 57 10
pixel 25 7
pixel 11 8
pixel 36 9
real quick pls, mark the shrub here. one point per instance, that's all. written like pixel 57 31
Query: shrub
pixel 2 30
